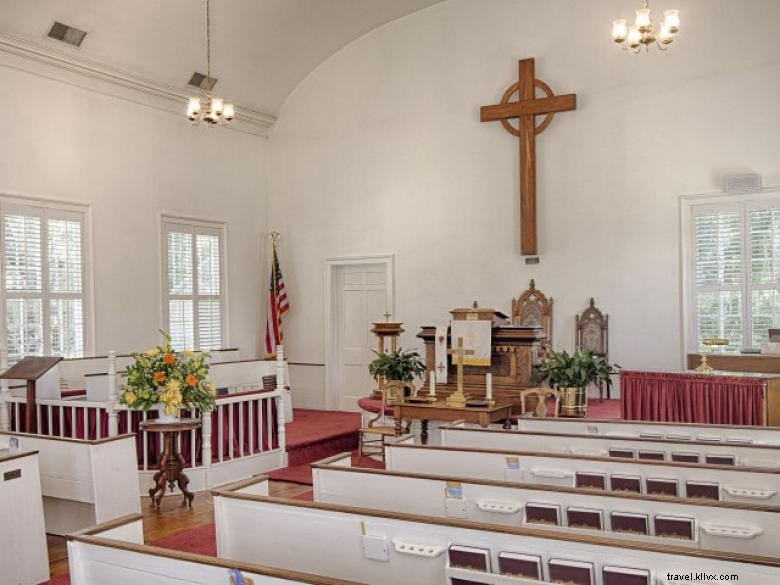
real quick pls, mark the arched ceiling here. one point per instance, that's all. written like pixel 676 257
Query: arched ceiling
pixel 261 49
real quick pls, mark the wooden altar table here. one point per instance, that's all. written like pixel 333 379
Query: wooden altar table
pixel 481 415
pixel 725 398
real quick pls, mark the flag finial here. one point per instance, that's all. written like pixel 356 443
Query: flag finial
pixel 275 236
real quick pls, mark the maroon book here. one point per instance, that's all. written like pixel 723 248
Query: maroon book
pixel 652 455
pixel 584 518
pixel 721 460
pixel 624 576
pixel 685 457
pixel 623 453
pixel 590 480
pixel 520 565
pixel 629 522
pixel 576 572
pixel 661 487
pixel 702 489
pixel 469 557
pixel 543 514
pixel 455 581
pixel 626 483
pixel 674 527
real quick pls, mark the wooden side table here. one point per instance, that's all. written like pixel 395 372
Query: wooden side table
pixel 170 464
pixel 482 415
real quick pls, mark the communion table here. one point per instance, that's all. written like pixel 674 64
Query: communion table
pixel 727 398
pixel 481 415
pixel 514 351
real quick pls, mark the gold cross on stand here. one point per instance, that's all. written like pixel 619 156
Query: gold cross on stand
pixel 458 398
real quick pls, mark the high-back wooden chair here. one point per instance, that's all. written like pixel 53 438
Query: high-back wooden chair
pixel 533 308
pixel 592 334
pixel 378 426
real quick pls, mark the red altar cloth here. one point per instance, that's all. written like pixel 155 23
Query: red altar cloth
pixel 692 397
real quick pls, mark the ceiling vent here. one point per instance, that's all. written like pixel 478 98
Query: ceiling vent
pixel 200 81
pixel 741 183
pixel 67 34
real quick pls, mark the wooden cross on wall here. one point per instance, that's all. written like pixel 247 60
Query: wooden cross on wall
pixel 526 108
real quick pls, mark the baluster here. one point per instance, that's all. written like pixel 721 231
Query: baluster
pixel 241 408
pixel 74 423
pixel 17 420
pixel 220 434
pixel 230 430
pixel 113 398
pixel 5 394
pixel 145 440
pixel 50 426
pixel 62 421
pixel 205 433
pixel 251 425
pixel 260 404
pixel 269 423
pixel 280 415
pixel 193 459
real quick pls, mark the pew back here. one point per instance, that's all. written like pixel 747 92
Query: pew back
pixel 744 484
pixel 84 482
pixel 389 548
pixel 713 525
pixel 729 434
pixel 627 448
pixel 116 554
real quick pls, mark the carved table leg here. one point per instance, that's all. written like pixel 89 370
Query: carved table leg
pixel 183 481
pixel 163 475
pixel 424 431
pixel 398 426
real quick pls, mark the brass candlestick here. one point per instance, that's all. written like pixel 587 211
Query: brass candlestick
pixel 704 367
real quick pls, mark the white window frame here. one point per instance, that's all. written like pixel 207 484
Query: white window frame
pixel 195 226
pixel 689 205
pixel 51 209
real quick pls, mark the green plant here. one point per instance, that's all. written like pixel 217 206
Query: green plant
pixel 582 368
pixel 400 365
pixel 163 376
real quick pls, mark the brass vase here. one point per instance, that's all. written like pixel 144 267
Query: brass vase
pixel 574 402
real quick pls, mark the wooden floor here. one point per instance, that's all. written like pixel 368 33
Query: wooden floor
pixel 171 518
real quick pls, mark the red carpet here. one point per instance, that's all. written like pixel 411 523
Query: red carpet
pixel 316 434
pixel 302 473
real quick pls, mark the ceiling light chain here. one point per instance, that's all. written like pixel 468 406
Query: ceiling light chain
pixel 641 33
pixel 216 111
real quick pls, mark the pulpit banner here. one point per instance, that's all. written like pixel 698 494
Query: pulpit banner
pixel 440 354
pixel 476 336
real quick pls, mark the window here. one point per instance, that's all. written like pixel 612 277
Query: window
pixel 734 259
pixel 194 298
pixel 44 301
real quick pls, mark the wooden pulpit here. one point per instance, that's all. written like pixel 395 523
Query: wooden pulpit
pixel 30 369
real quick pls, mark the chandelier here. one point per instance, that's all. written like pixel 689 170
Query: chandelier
pixel 642 33
pixel 215 110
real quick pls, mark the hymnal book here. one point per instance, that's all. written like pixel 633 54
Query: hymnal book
pixel 575 572
pixel 674 527
pixel 454 490
pixel 685 457
pixel 661 487
pixel 624 576
pixel 626 483
pixel 702 489
pixel 721 460
pixel 543 514
pixel 652 455
pixel 624 453
pixel 469 557
pixel 584 518
pixel 520 565
pixel 455 581
pixel 596 481
pixel 629 522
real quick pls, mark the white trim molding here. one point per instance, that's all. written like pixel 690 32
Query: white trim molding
pixel 331 264
pixel 37 59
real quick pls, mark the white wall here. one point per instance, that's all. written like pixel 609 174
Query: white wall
pixel 381 150
pixel 131 163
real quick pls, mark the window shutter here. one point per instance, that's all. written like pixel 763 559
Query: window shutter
pixel 764 249
pixel 718 276
pixel 180 324
pixel 63 249
pixel 24 326
pixel 22 253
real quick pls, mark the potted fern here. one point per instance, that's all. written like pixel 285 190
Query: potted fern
pixel 397 369
pixel 571 375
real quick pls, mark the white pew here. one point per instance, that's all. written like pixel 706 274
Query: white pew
pixel 115 554
pixel 756 485
pixel 729 434
pixel 84 482
pixel 729 527
pixel 391 548
pixel 458 435
pixel 24 558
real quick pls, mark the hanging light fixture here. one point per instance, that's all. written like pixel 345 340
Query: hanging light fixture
pixel 642 33
pixel 215 110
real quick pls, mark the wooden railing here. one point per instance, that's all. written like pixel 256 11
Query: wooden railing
pixel 244 423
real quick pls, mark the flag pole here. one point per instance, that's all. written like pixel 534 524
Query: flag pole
pixel 274 236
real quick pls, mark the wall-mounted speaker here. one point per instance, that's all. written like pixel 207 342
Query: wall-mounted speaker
pixel 742 183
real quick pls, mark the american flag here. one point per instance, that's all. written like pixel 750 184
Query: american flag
pixel 277 306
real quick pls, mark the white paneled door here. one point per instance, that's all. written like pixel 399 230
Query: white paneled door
pixel 361 296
